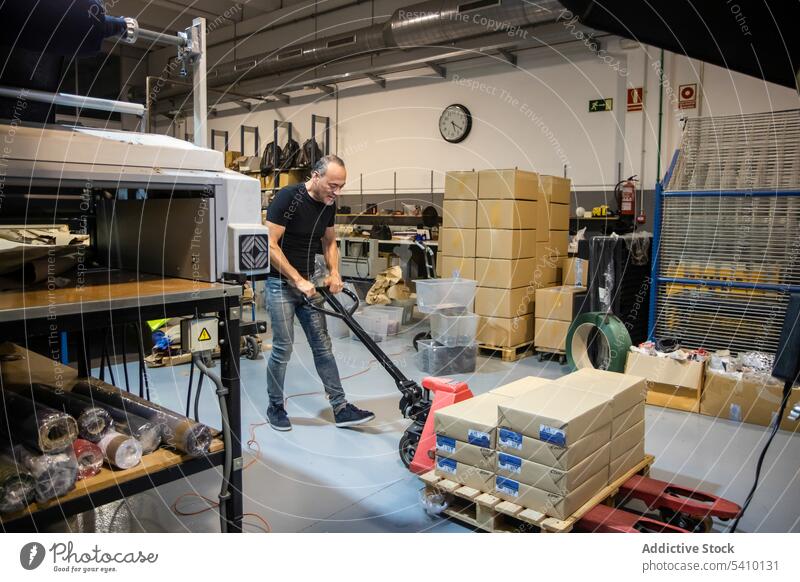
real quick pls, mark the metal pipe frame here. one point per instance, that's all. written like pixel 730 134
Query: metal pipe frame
pixel 70 100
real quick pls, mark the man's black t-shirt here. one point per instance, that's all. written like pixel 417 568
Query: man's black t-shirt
pixel 305 221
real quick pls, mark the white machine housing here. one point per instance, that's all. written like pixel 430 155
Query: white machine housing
pixel 217 214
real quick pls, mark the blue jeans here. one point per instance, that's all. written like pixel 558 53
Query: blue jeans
pixel 284 302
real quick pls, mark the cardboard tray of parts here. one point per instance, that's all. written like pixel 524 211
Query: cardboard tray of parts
pixel 486 512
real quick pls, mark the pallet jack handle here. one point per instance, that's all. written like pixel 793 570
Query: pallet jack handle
pixel 415 400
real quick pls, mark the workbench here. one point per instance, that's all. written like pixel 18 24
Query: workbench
pixel 96 302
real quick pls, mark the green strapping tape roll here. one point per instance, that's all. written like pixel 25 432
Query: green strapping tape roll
pixel 614 341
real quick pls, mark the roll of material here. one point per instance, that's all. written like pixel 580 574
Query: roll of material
pixel 146 432
pixel 89 458
pixel 43 428
pixel 601 333
pixel 177 431
pixel 120 450
pixel 93 421
pixel 16 485
pixel 55 473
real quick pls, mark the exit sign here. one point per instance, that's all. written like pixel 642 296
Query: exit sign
pixel 601 105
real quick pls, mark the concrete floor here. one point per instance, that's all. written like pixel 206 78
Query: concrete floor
pixel 318 478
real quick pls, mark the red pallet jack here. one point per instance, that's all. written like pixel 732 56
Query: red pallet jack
pixel 418 442
pixel 682 510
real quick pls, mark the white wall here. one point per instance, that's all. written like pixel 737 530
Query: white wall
pixel 533 117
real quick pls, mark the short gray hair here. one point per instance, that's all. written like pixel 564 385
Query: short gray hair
pixel 321 165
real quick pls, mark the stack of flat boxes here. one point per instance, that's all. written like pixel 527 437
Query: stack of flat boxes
pixel 457 237
pixel 627 393
pixel 556 308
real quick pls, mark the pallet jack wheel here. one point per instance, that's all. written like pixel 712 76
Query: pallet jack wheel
pixel 541 357
pixel 562 359
pixel 408 447
pixel 250 347
pixel 687 522
pixel 425 335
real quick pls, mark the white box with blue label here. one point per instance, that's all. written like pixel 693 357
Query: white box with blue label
pixel 626 391
pixel 561 416
pixel 519 445
pixel 481 457
pixel 472 421
pixel 521 386
pixel 552 479
pixel 465 474
pixel 552 504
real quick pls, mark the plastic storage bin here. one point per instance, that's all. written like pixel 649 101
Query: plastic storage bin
pixel 435 294
pixel 395 316
pixel 437 360
pixel 375 323
pixel 408 308
pixel 337 328
pixel 453 327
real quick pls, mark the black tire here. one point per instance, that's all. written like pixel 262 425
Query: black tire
pixel 420 336
pixel 408 447
pixel 251 350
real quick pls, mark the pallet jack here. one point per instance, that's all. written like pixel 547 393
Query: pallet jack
pixel 683 510
pixel 417 403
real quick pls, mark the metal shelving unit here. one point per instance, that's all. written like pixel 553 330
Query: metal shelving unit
pixel 726 245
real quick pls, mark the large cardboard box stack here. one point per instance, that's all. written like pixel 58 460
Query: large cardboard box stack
pixel 465 440
pixel 553 448
pixel 457 236
pixel 671 383
pixel 553 218
pixel 556 308
pixel 505 263
pixel 744 398
pixel 627 394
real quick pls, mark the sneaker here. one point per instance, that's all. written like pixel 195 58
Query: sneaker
pixel 277 418
pixel 349 415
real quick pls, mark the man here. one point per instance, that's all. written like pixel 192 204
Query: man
pixel 301 225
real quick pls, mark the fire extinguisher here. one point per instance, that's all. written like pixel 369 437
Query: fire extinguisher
pixel 625 193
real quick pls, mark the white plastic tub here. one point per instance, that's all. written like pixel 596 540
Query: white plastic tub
pixel 454 329
pixel 436 294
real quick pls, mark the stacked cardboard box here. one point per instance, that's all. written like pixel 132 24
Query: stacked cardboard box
pixel 553 220
pixel 554 446
pixel 627 394
pixel 465 440
pixel 457 236
pixel 505 263
pixel 556 308
pixel 671 383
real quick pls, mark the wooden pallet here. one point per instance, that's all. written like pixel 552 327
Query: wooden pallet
pixel 486 512
pixel 508 354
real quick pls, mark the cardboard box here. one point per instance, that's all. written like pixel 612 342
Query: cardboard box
pixel 284 179
pixel 472 421
pixel 561 417
pixel 624 390
pixel 459 214
pixel 505 273
pixel 627 440
pixel 457 242
pixel 461 186
pixel 550 479
pixel 551 334
pixel 574 271
pixel 555 188
pixel 552 504
pixel 625 462
pixel 562 303
pixel 508 214
pixel 564 458
pixel 555 248
pixel 522 386
pixel 464 266
pixel 231 159
pixel 503 302
pixel 746 400
pixel 468 475
pixel 495 243
pixel 508 184
pixel 626 419
pixel 505 332
pixel 550 217
pixel 670 383
pixel 481 457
